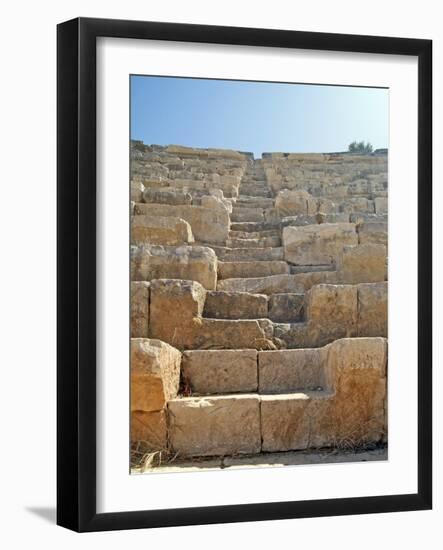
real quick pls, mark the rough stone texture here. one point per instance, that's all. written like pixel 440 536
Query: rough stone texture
pixel 381 205
pixel 331 313
pixel 287 307
pixel 219 425
pixel 228 270
pixel 351 412
pixel 195 263
pixel 166 196
pixel 373 233
pixel 208 225
pixel 160 230
pixel 220 371
pixel 137 189
pixel 149 428
pixel 318 244
pixel 365 263
pixel 235 305
pixel 140 309
pixel 287 419
pixel 292 203
pixel 358 368
pixel 287 371
pixel 176 309
pixel 262 285
pixel 332 211
pixel 186 329
pixel 155 374
pixel 373 309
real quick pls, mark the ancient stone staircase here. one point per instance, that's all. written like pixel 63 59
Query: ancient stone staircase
pixel 259 301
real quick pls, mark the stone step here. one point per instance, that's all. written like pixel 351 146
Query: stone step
pixel 216 425
pixel 274 284
pixel 255 192
pixel 251 227
pixel 254 202
pixel 264 242
pixel 246 423
pixel 282 284
pixel 294 269
pixel 254 234
pixel 245 254
pixel 296 421
pixel 208 372
pixel 244 214
pixel 286 371
pixel 235 305
pixel 286 307
pixel 229 270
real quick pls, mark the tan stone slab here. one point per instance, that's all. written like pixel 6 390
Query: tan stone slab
pixel 220 371
pixel 218 425
pixel 207 224
pixel 194 263
pixel 317 244
pixel 292 370
pixel 364 263
pixel 155 374
pixel 149 428
pixel 235 305
pixel 140 309
pixel 160 230
pixel 286 419
pixel 373 309
pixel 229 270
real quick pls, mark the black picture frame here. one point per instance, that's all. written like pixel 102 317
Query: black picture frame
pixel 76 274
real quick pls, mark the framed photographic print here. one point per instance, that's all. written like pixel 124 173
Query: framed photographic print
pixel 244 274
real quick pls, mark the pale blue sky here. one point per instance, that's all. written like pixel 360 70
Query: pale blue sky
pixel 256 116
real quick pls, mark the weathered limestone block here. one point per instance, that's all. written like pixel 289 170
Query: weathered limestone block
pixel 262 285
pixel 185 329
pixel 175 311
pixel 286 371
pixel 381 205
pixel 288 421
pixel 350 412
pixel 235 305
pixel 292 203
pixel 149 427
pixel 373 233
pixel 218 425
pixel 160 230
pixel 278 284
pixel 194 263
pixel 230 270
pixel 210 201
pixel 358 368
pixel 317 244
pixel 208 225
pixel 332 303
pixel 139 309
pixel 364 263
pixel 137 189
pixel 232 334
pixel 244 214
pixel 155 374
pixel 286 307
pixel 373 309
pixel 220 371
pixel 338 217
pixel 357 204
pixel 154 183
pixel 331 313
pixel 166 196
